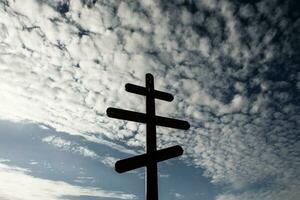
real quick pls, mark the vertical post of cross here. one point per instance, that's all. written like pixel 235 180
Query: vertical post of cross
pixel 151 185
pixel 152 156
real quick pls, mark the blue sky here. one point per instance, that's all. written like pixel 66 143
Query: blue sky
pixel 24 145
pixel 232 66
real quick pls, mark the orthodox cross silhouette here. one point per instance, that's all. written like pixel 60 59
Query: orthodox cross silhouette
pixel 152 155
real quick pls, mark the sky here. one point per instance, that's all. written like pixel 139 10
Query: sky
pixel 232 66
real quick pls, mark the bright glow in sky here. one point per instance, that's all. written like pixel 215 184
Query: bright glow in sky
pixel 233 67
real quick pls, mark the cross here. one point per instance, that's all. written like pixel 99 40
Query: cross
pixel 152 155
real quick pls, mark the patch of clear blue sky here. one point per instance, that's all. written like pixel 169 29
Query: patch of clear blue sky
pixel 22 144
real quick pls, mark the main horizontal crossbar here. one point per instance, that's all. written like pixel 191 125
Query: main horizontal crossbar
pixel 142 91
pixel 142 160
pixel 142 118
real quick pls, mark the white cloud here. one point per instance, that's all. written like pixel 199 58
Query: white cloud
pixel 16 184
pixel 76 148
pixel 290 192
pixel 70 146
pixel 178 195
pixel 164 175
pixel 4 160
pixel 109 161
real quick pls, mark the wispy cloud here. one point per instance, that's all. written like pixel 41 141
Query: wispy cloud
pixel 17 184
pixel 76 148
pixel 70 146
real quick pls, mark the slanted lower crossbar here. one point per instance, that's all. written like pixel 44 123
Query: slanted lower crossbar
pixel 135 162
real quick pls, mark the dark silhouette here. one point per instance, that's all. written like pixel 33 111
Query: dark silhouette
pixel 152 155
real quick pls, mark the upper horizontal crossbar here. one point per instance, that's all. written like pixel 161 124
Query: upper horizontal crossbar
pixel 142 91
pixel 144 159
pixel 142 118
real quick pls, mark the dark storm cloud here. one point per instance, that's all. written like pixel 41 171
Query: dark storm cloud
pixel 234 67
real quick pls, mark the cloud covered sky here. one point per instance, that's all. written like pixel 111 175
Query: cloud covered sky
pixel 232 66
